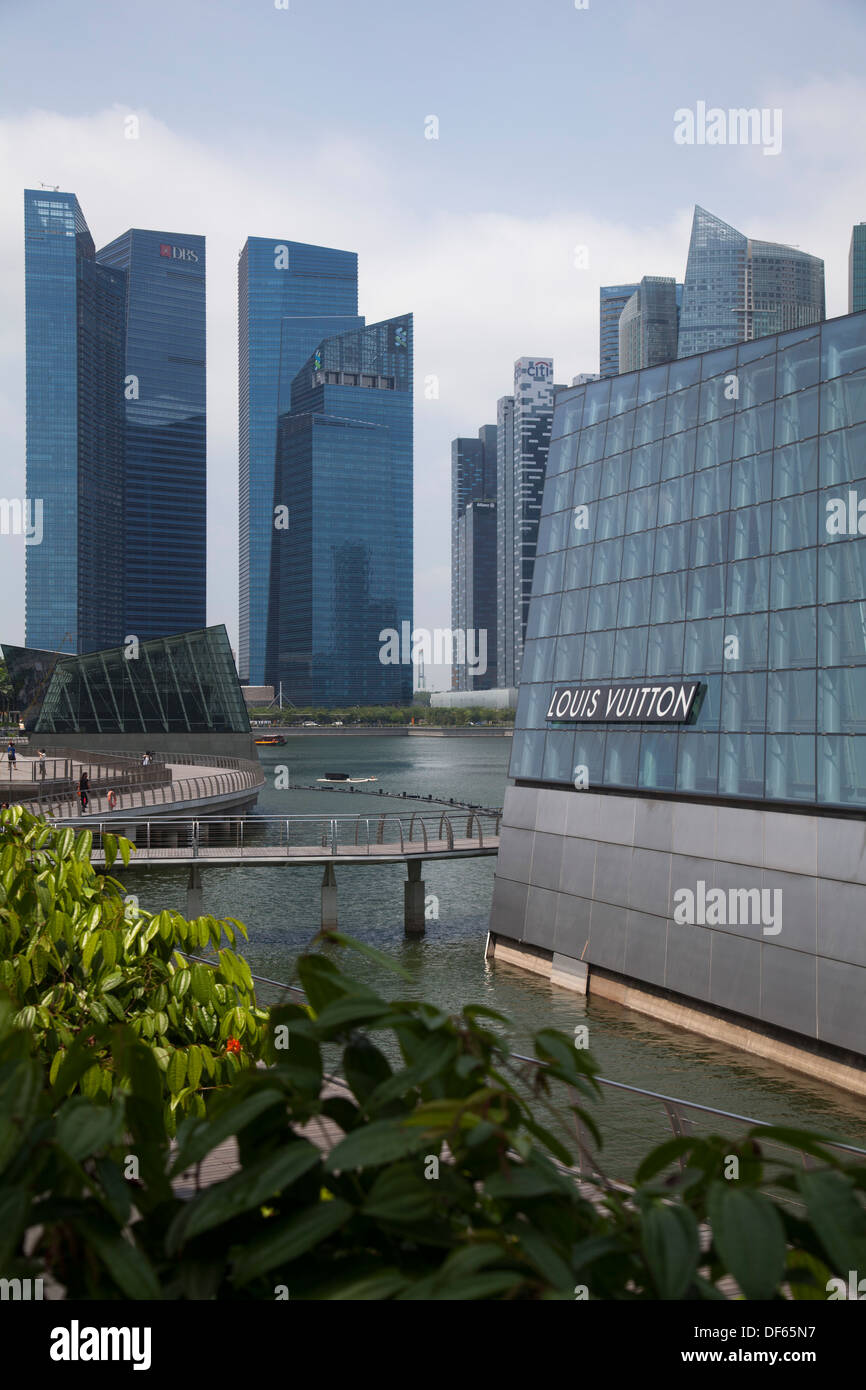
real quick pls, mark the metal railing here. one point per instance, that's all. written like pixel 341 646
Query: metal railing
pixel 138 798
pixel 680 1114
pixel 255 836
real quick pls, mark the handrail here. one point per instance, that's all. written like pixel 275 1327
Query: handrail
pixel 673 1101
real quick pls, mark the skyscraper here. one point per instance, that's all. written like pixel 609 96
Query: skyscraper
pixel 341 568
pixel 473 477
pixel 165 508
pixel 857 269
pixel 648 324
pixel 75 366
pixel 290 297
pixel 523 427
pixel 612 299
pixel 475 616
pixel 737 288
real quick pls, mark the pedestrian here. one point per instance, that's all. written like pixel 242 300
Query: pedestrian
pixel 83 788
pixel 11 755
pixel 41 762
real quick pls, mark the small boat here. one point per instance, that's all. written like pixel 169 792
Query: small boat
pixel 343 777
pixel 270 740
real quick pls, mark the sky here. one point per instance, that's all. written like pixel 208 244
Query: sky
pixel 554 171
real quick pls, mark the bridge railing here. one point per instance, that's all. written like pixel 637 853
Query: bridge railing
pixel 353 836
pixel 138 798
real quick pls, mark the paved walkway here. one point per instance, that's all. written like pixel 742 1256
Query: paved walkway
pixel 189 782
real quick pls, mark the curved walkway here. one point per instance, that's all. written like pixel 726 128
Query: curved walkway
pixel 192 785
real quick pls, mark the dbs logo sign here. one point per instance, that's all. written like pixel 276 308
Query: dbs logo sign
pixel 177 253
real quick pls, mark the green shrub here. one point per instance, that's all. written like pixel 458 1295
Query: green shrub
pixel 443 1182
pixel 76 955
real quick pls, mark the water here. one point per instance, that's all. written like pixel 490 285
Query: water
pixel 280 907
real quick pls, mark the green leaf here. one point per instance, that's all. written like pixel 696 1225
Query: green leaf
pixel 383 1141
pixel 837 1217
pixel 290 1239
pixel 83 1128
pixel 387 962
pixel 671 1244
pixel 206 1136
pixel 248 1188
pixel 127 1264
pixel 194 1066
pixel 401 1193
pixel 176 1073
pixel 749 1237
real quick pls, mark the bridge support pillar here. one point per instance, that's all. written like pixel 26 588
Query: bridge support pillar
pixel 413 900
pixel 329 897
pixel 194 893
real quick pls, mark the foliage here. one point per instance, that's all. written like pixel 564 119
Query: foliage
pixel 388 714
pixel 443 1182
pixel 76 955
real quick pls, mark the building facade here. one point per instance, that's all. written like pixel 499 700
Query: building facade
pixel 165 446
pixel 75 431
pixel 686 827
pixel 648 324
pixel 737 289
pixel 341 567
pixel 523 430
pixel 290 296
pixel 474 621
pixel 612 299
pixel 857 269
pixel 473 477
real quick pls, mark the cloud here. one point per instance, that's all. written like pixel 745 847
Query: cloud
pixel 485 288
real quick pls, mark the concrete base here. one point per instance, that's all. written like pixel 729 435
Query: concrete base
pixel 414 922
pixel 679 1013
pixel 329 897
pixel 194 894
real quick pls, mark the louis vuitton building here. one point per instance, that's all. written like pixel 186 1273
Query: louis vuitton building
pixel 686 829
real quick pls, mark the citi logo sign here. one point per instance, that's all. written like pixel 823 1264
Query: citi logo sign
pixel 177 253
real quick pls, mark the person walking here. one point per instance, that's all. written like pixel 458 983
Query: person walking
pixel 83 788
pixel 11 755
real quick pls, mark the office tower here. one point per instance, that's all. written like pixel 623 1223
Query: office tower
pixel 692 705
pixel 75 367
pixel 612 300
pixel 648 324
pixel 523 429
pixel 473 475
pixel 737 288
pixel 165 470
pixel 290 297
pixel 475 615
pixel 857 269
pixel 583 377
pixel 341 566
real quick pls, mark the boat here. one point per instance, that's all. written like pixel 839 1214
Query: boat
pixel 270 740
pixel 343 777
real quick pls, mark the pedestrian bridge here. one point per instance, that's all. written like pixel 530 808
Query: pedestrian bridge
pixel 271 841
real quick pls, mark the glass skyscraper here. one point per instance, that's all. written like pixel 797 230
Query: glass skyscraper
pixel 523 427
pixel 648 324
pixel 75 367
pixel 475 612
pixel 165 508
pixel 737 288
pixel 290 297
pixel 857 269
pixel 473 475
pixel 341 565
pixel 612 299
pixel 692 709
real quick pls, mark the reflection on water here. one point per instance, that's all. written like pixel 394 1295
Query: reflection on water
pixel 280 907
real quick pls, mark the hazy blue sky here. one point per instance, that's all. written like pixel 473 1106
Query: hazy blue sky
pixel 555 131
